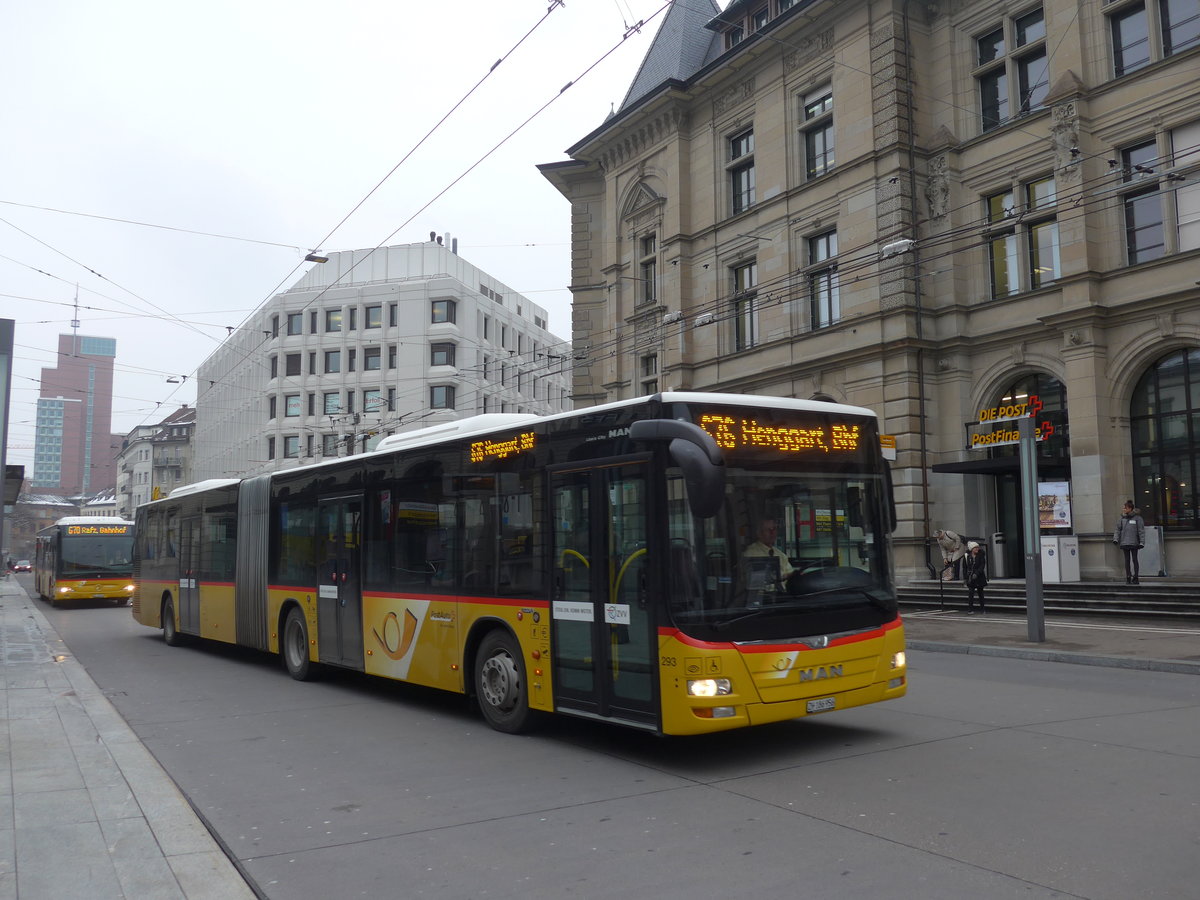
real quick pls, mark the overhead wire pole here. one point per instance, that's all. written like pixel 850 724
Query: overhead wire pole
pixel 1034 603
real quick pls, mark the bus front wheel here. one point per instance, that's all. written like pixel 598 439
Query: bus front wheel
pixel 294 646
pixel 500 683
pixel 171 635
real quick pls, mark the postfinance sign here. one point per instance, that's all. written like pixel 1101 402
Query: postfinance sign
pixel 1009 412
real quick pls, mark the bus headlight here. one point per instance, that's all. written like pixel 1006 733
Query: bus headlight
pixel 708 687
pixel 899 660
pixel 64 590
pixel 130 587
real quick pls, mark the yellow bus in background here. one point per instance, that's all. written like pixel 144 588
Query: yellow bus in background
pixel 84 558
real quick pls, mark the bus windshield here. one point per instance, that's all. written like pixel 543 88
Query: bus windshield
pixel 96 555
pixel 791 554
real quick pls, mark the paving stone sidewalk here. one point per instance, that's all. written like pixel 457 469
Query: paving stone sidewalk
pixel 85 810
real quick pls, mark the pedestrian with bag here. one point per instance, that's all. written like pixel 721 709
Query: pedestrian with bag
pixel 1130 536
pixel 951 546
pixel 975 576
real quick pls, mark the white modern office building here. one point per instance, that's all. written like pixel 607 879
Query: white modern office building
pixel 367 344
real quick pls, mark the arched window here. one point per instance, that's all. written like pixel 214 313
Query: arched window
pixel 1164 419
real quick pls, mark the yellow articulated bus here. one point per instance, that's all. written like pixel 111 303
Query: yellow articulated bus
pixel 681 563
pixel 85 558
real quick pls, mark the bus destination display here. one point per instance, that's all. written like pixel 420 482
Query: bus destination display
pixel 482 451
pixel 98 529
pixel 734 433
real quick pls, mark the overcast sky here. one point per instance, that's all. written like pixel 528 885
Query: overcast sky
pixel 269 121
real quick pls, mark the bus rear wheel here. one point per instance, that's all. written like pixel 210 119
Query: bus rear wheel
pixel 294 646
pixel 171 636
pixel 500 684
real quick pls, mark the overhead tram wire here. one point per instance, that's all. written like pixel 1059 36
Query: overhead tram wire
pixel 87 268
pixel 494 148
pixel 554 4
pixel 225 237
pixel 466 172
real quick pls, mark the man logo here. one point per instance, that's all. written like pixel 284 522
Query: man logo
pixel 820 673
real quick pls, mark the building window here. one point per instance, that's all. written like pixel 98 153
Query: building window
pixel 745 312
pixel 350 359
pixel 759 18
pixel 333 320
pixel 330 403
pixel 648 265
pixel 391 399
pixel 1164 420
pixel 443 311
pixel 295 323
pixel 372 359
pixel 270 448
pixel 274 366
pixel 353 318
pixel 329 445
pixel 734 36
pixel 291 446
pixel 1185 162
pixel 1030 225
pixel 1151 30
pixel 393 314
pixel 741 171
pixel 291 405
pixel 312 322
pixel 649 368
pixel 312 403
pixel 487 328
pixel 441 354
pixel 333 361
pixel 818 133
pixel 391 356
pixel 349 407
pixel 292 363
pixel 441 396
pixel 274 326
pixel 373 317
pixel 824 297
pixel 1012 81
pixel 1145 232
pixel 372 401
pixel 272 407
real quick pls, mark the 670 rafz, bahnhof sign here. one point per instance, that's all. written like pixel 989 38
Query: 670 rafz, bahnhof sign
pixel 1009 412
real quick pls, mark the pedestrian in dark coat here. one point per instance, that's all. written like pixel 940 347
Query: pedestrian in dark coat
pixel 975 576
pixel 1130 536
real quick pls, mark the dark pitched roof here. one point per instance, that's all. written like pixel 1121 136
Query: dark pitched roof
pixel 680 49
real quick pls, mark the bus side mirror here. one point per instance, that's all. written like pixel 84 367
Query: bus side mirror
pixel 696 453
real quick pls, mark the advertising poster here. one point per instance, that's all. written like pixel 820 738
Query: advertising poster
pixel 1054 504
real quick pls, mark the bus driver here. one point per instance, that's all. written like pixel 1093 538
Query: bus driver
pixel 764 547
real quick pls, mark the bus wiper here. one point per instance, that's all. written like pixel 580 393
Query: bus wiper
pixel 873 599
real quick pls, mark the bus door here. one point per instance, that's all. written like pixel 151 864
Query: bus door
pixel 189 575
pixel 603 639
pixel 339 590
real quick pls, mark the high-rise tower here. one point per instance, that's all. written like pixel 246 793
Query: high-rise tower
pixel 74 445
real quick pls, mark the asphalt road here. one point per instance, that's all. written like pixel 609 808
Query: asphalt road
pixel 994 778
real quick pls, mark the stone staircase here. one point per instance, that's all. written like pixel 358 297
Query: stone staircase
pixel 1152 598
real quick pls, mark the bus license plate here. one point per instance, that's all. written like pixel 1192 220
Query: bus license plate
pixel 823 705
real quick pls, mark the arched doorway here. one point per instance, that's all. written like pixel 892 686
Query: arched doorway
pixel 1053 464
